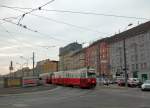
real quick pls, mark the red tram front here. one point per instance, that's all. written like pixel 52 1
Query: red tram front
pixel 84 78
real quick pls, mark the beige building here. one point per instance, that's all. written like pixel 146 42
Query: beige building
pixel 45 66
pixel 78 59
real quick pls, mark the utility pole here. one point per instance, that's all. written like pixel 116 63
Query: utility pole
pixel 98 62
pixel 98 59
pixel 33 64
pixel 125 63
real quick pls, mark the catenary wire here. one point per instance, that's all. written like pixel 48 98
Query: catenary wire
pixel 10 34
pixel 62 22
pixel 38 8
pixel 82 12
pixel 35 31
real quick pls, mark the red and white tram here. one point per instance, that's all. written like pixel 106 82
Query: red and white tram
pixel 46 78
pixel 84 78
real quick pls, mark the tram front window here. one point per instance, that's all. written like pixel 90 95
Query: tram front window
pixel 91 75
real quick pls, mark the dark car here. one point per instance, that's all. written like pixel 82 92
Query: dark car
pixel 121 82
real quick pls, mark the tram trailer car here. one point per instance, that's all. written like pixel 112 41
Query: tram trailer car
pixel 83 78
pixel 29 81
pixel 46 78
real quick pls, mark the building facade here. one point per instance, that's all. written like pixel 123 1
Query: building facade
pixel 97 56
pixel 78 59
pixel 137 44
pixel 24 72
pixel 65 55
pixel 46 66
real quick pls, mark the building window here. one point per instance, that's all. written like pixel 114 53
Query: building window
pixel 133 67
pixel 143 56
pixel 136 66
pixel 132 58
pixel 141 38
pixel 144 65
pixel 136 57
pixel 127 67
pixel 141 65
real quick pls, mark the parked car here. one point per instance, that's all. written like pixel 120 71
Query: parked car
pixel 133 82
pixel 121 82
pixel 106 82
pixel 146 85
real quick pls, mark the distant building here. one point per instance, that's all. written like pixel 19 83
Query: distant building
pixel 47 65
pixel 24 72
pixel 65 55
pixel 137 44
pixel 78 59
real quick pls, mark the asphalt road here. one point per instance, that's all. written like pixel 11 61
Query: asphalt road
pixel 20 90
pixel 66 97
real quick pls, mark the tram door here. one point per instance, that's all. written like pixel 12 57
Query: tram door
pixel 83 79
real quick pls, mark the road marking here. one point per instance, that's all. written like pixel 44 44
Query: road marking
pixel 20 105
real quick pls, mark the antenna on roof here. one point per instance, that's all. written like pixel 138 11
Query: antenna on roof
pixel 138 22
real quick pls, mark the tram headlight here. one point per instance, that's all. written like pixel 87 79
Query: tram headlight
pixel 89 80
pixel 93 81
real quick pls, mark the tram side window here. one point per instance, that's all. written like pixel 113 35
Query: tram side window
pixel 83 75
pixel 77 76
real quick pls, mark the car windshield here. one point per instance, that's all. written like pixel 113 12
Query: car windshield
pixel 147 81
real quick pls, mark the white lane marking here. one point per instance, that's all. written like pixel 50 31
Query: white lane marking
pixel 20 105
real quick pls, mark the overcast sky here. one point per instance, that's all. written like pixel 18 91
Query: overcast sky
pixel 58 28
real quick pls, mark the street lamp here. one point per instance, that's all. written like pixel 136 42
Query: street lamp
pixel 125 60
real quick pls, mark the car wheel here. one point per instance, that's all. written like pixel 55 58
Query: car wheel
pixel 142 89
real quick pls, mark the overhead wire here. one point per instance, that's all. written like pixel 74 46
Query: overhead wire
pixel 73 12
pixel 38 8
pixel 62 22
pixel 98 14
pixel 32 30
pixel 24 26
pixel 81 12
pixel 14 38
